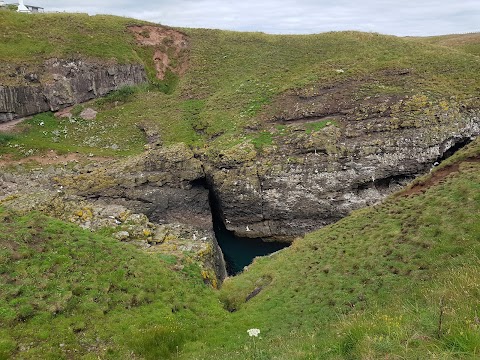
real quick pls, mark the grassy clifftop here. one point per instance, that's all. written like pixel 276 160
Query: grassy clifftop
pixel 223 97
pixel 33 38
pixel 469 43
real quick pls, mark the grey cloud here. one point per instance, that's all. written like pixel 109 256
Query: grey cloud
pixel 408 17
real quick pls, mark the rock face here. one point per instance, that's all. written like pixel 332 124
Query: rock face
pixel 306 180
pixel 61 83
pixel 165 184
pixel 343 166
pixel 184 231
pixel 330 153
pixel 311 178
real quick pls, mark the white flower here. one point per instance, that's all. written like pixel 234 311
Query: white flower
pixel 253 332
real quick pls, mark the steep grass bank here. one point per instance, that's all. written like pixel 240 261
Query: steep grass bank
pixel 68 293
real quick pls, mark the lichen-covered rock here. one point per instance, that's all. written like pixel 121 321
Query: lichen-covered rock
pixel 199 245
pixel 315 171
pixel 88 114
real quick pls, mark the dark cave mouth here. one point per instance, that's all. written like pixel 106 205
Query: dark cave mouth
pixel 239 252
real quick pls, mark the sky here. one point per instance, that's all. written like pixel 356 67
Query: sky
pixel 395 17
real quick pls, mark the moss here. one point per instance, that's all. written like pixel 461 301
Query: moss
pixel 243 153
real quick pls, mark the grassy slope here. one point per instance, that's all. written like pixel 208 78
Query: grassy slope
pixel 469 43
pixel 371 286
pixel 231 77
pixel 92 294
pixel 28 39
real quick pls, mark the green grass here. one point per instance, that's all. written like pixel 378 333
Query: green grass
pixel 37 37
pixel 263 139
pixel 317 126
pixel 45 132
pixel 372 285
pixel 6 138
pixel 469 43
pixel 119 96
pixel 235 76
pixel 67 292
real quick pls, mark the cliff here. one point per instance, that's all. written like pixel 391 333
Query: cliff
pixel 60 83
pixel 284 134
pixel 331 157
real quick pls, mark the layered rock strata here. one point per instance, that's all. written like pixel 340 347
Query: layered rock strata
pixel 310 177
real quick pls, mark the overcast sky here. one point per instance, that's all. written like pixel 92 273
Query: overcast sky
pixel 396 17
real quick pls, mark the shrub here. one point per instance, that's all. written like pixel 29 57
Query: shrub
pixel 121 95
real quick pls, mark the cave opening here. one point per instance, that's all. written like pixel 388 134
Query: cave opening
pixel 458 145
pixel 238 252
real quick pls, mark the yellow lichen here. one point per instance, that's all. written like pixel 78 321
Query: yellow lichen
pixel 147 232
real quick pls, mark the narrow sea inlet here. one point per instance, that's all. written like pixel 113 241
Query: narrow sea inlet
pixel 239 252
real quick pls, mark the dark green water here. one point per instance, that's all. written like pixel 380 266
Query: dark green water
pixel 240 252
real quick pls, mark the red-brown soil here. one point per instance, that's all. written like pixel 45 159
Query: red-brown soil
pixel 435 178
pixel 171 48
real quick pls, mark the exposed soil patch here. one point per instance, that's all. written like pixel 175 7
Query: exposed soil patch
pixel 435 178
pixel 10 126
pixel 171 48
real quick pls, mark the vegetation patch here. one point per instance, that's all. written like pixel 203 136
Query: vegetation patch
pixel 318 125
pixel 119 96
pixel 265 138
pixel 102 136
pixel 68 291
pixel 6 138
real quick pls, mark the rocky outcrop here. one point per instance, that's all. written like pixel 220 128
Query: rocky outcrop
pixel 308 178
pixel 329 154
pixel 61 83
pixel 166 184
pixel 314 175
pixel 189 236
